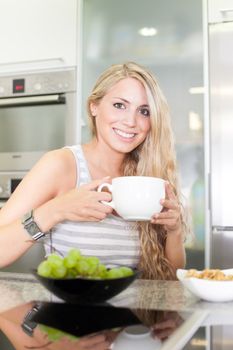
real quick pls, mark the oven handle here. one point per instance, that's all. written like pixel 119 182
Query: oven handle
pixel 32 100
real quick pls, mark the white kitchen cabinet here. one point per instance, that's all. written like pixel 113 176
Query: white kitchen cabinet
pixel 220 10
pixel 37 34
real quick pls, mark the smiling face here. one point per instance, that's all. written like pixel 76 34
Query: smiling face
pixel 122 116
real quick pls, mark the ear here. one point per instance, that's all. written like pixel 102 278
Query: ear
pixel 93 108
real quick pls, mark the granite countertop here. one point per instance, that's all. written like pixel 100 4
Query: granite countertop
pixel 20 288
pixel 17 288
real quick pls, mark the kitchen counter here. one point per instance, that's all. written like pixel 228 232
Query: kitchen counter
pixel 17 289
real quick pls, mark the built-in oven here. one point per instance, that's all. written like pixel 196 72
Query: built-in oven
pixel 37 114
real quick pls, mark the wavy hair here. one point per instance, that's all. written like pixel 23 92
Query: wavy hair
pixel 154 157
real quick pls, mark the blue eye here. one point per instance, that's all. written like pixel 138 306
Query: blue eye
pixel 145 112
pixel 119 105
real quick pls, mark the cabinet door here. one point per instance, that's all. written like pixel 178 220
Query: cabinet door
pixel 220 10
pixel 37 34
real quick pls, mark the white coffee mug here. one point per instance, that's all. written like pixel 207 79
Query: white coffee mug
pixel 136 198
pixel 136 337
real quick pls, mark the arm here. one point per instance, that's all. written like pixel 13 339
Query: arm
pixel 49 188
pixel 10 324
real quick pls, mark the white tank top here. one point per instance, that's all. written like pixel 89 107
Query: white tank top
pixel 112 240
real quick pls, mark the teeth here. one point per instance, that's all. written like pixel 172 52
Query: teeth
pixel 124 134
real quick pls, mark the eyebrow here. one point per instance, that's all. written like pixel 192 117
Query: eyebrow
pixel 126 101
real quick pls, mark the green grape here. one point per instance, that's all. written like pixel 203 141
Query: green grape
pixel 74 253
pixel 93 260
pixel 127 271
pixel 75 265
pixel 93 263
pixel 55 260
pixel 69 261
pixel 71 273
pixel 101 271
pixel 44 269
pixel 82 267
pixel 54 334
pixel 59 271
pixel 115 272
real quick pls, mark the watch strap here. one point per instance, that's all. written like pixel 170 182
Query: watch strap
pixel 31 226
pixel 28 324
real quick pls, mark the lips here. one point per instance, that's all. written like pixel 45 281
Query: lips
pixel 124 134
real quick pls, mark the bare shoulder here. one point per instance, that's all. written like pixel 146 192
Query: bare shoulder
pixel 59 164
pixel 59 158
pixel 53 175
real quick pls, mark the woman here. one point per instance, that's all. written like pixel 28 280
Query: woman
pixel 131 136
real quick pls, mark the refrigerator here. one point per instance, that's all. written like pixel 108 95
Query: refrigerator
pixel 221 143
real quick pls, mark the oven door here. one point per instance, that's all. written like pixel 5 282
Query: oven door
pixel 30 126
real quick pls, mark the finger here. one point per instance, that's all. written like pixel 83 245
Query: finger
pixel 169 214
pixel 169 204
pixel 103 208
pixel 165 222
pixel 92 340
pixel 164 324
pixel 93 185
pixel 101 346
pixel 162 335
pixel 96 215
pixel 103 196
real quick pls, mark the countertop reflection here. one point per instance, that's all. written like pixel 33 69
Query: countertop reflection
pixel 159 314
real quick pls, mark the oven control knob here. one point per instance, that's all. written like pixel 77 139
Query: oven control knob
pixel 37 86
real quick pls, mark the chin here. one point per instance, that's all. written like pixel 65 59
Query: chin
pixel 124 148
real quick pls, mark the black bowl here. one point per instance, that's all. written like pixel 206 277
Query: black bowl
pixel 85 289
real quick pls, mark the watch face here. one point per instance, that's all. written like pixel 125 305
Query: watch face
pixel 33 228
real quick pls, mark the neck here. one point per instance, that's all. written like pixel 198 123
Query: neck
pixel 104 158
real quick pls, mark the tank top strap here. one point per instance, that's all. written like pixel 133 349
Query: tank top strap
pixel 83 174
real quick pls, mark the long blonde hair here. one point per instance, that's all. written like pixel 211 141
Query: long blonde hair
pixel 154 157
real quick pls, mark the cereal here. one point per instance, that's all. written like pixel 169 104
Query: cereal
pixel 209 274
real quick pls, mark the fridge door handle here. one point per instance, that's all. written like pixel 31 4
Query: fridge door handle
pixel 225 11
pixel 222 228
pixel 226 14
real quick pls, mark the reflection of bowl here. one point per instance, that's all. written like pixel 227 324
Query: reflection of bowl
pixel 86 289
pixel 136 337
pixel 210 290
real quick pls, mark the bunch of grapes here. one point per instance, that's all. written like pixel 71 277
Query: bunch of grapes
pixel 54 334
pixel 75 265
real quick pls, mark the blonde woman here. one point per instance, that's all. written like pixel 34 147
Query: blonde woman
pixel 131 136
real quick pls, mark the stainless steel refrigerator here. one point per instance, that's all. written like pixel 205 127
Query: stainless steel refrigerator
pixel 221 143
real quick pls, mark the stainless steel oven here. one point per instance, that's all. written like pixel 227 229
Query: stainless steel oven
pixel 37 114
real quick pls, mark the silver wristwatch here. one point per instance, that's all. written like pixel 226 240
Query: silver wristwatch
pixel 28 324
pixel 31 226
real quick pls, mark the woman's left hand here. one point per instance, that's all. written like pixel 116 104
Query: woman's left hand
pixel 170 216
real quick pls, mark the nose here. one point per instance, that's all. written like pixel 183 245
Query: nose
pixel 130 119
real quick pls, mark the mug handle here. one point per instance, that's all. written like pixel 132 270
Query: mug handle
pixel 109 187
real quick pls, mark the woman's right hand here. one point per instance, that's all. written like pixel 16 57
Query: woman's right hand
pixel 83 203
pixel 90 342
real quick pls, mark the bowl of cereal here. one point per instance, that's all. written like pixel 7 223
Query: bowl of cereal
pixel 210 284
